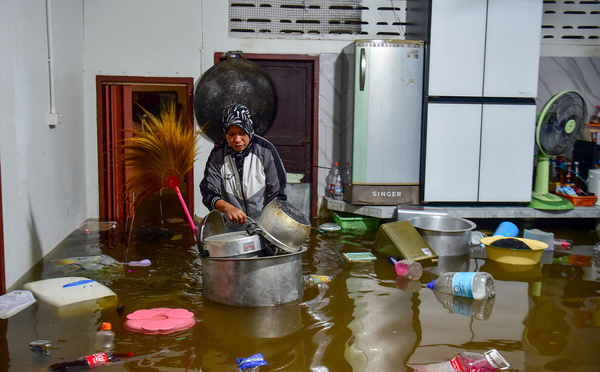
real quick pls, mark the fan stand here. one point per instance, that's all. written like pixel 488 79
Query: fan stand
pixel 541 198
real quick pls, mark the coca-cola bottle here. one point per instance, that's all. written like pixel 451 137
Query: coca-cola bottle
pixel 89 362
pixel 467 361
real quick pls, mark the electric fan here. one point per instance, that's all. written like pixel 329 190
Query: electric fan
pixel 558 125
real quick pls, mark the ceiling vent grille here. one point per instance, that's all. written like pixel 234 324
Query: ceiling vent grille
pixel 571 22
pixel 317 19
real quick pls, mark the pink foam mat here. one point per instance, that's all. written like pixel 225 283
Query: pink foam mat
pixel 162 320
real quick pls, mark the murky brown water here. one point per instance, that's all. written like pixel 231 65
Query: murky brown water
pixel 545 317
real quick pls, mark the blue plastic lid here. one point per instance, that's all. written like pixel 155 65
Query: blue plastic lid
pixel 430 284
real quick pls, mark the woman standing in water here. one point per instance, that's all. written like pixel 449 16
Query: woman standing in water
pixel 244 172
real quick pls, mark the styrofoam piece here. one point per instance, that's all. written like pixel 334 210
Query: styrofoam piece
pixel 15 301
pixel 72 295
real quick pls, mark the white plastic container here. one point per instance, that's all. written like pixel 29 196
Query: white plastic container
pixel 594 183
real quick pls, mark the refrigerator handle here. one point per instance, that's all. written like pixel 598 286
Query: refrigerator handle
pixel 363 68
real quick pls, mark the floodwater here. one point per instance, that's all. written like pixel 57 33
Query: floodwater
pixel 544 317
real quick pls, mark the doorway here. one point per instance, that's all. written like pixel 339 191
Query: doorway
pixel 295 129
pixel 118 101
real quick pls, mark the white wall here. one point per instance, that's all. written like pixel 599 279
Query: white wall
pixel 43 169
pixel 164 38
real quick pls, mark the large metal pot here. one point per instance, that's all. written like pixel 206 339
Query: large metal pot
pixel 235 80
pixel 283 225
pixel 255 281
pixel 446 235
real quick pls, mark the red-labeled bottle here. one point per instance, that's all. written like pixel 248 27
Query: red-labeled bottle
pixel 89 362
pixel 490 361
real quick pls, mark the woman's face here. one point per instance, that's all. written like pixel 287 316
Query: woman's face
pixel 237 138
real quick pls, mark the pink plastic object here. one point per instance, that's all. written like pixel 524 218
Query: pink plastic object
pixel 162 320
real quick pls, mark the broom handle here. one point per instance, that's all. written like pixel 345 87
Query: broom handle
pixel 185 209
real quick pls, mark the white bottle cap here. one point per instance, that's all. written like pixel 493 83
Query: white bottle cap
pixel 494 358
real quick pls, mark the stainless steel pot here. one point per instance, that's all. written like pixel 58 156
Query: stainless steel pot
pixel 446 235
pixel 237 243
pixel 255 281
pixel 283 225
pixel 213 241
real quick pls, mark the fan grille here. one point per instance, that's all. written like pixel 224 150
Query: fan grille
pixel 560 122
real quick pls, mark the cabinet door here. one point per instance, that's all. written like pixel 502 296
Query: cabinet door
pixel 457 46
pixel 452 152
pixel 512 51
pixel 507 150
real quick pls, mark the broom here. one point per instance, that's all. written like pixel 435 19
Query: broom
pixel 160 155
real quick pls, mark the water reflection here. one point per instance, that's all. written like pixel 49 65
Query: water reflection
pixel 366 319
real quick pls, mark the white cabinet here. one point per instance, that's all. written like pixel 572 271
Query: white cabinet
pixel 485 48
pixel 480 119
pixel 479 152
pixel 452 152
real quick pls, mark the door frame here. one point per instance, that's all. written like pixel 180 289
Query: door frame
pixel 219 56
pixel 2 261
pixel 104 133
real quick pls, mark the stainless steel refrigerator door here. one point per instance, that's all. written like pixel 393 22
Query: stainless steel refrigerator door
pixel 388 85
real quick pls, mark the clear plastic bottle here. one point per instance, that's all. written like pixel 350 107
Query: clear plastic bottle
pixel 407 268
pixel 595 118
pixel 338 189
pixel 563 244
pixel 334 173
pixel 477 285
pixel 468 361
pixel 315 280
pixel 105 339
pixel 347 176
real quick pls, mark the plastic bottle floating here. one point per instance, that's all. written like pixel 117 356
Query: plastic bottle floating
pixel 162 320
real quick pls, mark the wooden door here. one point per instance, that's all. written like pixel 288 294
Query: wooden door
pixel 117 99
pixel 295 129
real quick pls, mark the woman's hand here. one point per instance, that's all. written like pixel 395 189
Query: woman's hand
pixel 233 214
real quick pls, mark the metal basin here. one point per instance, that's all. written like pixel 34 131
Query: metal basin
pixel 446 235
pixel 283 225
pixel 255 281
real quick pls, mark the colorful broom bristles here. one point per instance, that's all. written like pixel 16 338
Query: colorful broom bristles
pixel 164 148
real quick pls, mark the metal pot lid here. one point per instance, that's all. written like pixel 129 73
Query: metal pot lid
pixel 212 224
pixel 229 236
pixel 330 226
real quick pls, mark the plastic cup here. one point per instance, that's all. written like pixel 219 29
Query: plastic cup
pixel 507 228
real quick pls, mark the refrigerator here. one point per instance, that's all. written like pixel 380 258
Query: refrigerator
pixel 479 106
pixel 382 96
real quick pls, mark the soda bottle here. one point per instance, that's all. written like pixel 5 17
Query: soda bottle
pixel 468 361
pixel 338 188
pixel 334 172
pixel 89 362
pixel 563 244
pixel 314 280
pixel 407 268
pixel 105 338
pixel 477 285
